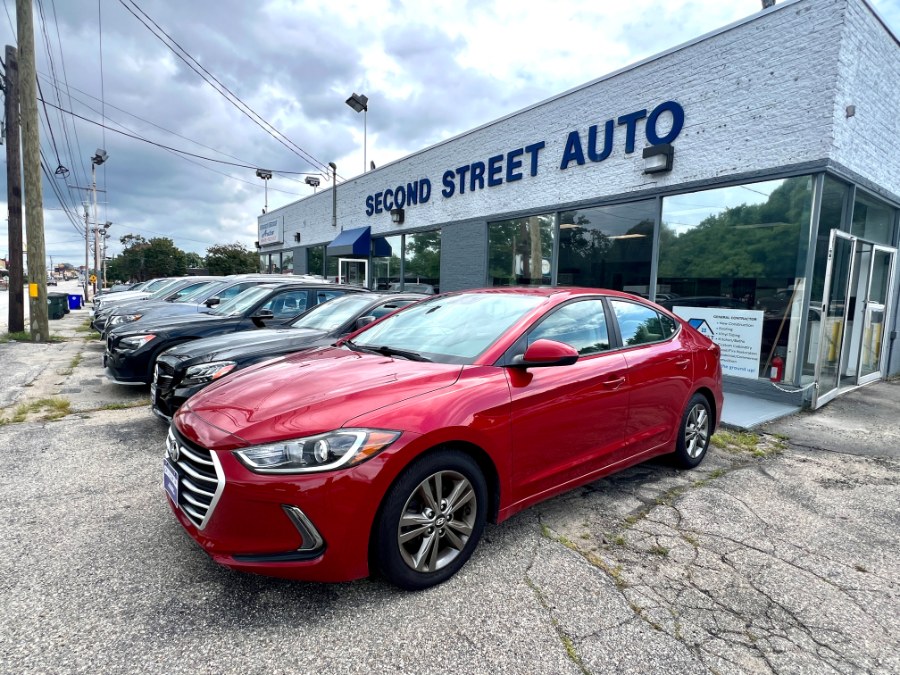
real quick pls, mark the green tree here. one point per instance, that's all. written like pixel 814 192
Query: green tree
pixel 143 259
pixel 231 259
pixel 193 260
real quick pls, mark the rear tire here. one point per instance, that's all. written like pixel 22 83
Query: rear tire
pixel 694 433
pixel 431 520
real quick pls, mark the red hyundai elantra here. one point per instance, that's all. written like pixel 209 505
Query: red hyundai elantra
pixel 390 450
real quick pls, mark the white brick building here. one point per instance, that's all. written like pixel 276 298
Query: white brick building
pixel 778 213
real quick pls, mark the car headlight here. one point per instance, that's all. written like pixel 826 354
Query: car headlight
pixel 207 372
pixel 135 341
pixel 325 452
pixel 119 319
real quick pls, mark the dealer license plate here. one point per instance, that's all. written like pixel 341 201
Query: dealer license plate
pixel 170 481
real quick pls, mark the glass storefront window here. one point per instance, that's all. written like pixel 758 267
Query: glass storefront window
pixel 263 262
pixel 520 251
pixel 422 262
pixel 872 220
pixel 386 268
pixel 287 262
pixel 315 260
pixel 608 247
pixel 741 248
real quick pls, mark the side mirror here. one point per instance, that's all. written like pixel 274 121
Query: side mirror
pixel 263 314
pixel 364 321
pixel 545 353
pixel 212 302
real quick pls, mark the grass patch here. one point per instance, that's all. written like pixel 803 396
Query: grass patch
pixel 659 550
pixel 52 409
pixel 25 336
pixel 735 441
pixel 125 406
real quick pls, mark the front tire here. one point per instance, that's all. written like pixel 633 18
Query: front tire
pixel 431 521
pixel 694 433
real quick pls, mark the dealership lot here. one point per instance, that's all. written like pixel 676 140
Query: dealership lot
pixel 775 557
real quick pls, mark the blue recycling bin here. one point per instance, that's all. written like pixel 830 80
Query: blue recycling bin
pixel 74 301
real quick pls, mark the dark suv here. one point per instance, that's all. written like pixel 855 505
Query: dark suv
pixel 132 349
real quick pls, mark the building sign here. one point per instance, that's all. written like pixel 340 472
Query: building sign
pixel 738 332
pixel 271 232
pixel 520 163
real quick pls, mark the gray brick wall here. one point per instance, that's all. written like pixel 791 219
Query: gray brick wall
pixel 464 256
pixel 868 143
pixel 757 95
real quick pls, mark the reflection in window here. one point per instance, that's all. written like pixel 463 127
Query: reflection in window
pixel 287 263
pixel 744 244
pixel 520 251
pixel 315 260
pixel 422 264
pixel 581 325
pixel 872 220
pixel 386 262
pixel 607 247
pixel 263 262
pixel 639 325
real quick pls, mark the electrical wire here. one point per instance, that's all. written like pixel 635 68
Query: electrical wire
pixel 182 152
pixel 223 90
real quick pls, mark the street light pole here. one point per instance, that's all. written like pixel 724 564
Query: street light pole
pixel 360 103
pixel 266 176
pixel 99 158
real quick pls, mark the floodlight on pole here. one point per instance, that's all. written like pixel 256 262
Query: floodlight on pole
pixel 360 103
pixel 312 181
pixel 266 176
pixel 100 157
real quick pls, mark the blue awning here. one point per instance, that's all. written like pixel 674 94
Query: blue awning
pixel 358 242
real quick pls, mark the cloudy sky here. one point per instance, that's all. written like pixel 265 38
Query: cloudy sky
pixel 431 70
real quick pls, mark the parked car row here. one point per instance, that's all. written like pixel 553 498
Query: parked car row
pixel 322 432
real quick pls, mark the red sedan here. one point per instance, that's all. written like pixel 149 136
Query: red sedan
pixel 392 449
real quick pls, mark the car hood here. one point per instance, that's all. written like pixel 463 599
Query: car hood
pixel 306 394
pixel 246 344
pixel 124 296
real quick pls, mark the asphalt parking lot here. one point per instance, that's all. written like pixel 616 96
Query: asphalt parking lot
pixel 779 554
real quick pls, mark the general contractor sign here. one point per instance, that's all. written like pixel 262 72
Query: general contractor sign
pixel 738 332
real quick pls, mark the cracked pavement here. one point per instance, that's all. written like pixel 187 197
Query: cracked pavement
pixel 780 556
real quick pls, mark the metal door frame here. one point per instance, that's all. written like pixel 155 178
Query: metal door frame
pixel 818 398
pixel 892 252
pixel 364 261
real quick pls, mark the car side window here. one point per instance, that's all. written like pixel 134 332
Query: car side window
pixel 325 296
pixel 232 291
pixel 389 307
pixel 581 325
pixel 640 325
pixel 289 303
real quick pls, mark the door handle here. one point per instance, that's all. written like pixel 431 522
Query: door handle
pixel 614 382
pixel 683 363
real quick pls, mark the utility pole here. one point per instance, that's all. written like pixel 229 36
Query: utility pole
pixel 31 162
pixel 87 236
pixel 16 309
pixel 99 158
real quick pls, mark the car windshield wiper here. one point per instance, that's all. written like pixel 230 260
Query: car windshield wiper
pixel 387 351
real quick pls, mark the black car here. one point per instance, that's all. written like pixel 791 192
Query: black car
pixel 186 369
pixel 201 299
pixel 132 349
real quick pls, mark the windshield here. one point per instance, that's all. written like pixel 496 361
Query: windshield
pixel 452 329
pixel 243 301
pixel 152 286
pixel 163 290
pixel 334 313
pixel 194 294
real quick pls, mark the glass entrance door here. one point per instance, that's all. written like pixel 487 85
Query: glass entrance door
pixel 857 286
pixel 353 271
pixel 874 314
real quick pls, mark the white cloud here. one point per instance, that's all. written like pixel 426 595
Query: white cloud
pixel 431 70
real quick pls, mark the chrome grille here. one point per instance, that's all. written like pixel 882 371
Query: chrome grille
pixel 200 478
pixel 163 375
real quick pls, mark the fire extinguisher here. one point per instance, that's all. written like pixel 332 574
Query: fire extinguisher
pixel 777 372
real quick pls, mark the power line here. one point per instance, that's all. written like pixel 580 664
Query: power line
pixel 169 131
pixel 230 96
pixel 182 152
